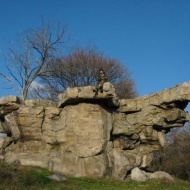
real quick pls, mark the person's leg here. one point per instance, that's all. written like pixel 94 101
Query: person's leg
pixel 97 87
pixel 101 86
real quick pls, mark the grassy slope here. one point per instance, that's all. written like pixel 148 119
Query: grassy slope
pixel 17 178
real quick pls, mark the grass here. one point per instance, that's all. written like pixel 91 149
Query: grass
pixel 30 178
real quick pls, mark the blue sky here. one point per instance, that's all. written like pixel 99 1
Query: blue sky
pixel 151 37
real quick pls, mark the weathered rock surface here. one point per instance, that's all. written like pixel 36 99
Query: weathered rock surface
pixel 84 94
pixel 91 135
pixel 9 104
pixel 38 102
pixel 82 129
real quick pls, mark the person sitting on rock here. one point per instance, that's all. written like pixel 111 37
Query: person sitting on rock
pixel 101 78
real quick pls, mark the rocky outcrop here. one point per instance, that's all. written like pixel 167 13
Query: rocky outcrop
pixel 86 94
pixel 90 135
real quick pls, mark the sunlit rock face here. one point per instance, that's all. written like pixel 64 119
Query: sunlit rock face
pixel 90 135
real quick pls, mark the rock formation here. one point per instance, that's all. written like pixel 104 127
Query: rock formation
pixel 88 135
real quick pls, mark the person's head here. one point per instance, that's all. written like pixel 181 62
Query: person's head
pixel 101 70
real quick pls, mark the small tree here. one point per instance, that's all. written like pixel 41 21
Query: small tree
pixel 31 57
pixel 80 68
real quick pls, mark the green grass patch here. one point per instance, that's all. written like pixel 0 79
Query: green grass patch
pixel 33 178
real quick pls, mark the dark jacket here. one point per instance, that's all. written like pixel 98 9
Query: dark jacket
pixel 101 77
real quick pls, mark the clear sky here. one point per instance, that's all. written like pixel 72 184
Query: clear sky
pixel 151 37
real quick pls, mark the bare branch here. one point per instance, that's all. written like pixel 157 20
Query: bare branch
pixel 35 50
pixel 13 77
pixel 80 67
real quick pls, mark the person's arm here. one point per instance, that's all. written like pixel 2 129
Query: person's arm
pixel 105 78
pixel 98 78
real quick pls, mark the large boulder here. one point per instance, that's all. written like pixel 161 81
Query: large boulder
pixel 177 96
pixel 121 163
pixel 87 93
pixel 29 120
pixel 140 175
pixel 82 129
pixel 29 152
pixel 69 164
pixel 9 104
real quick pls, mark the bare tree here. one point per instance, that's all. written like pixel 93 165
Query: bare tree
pixel 31 57
pixel 80 67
